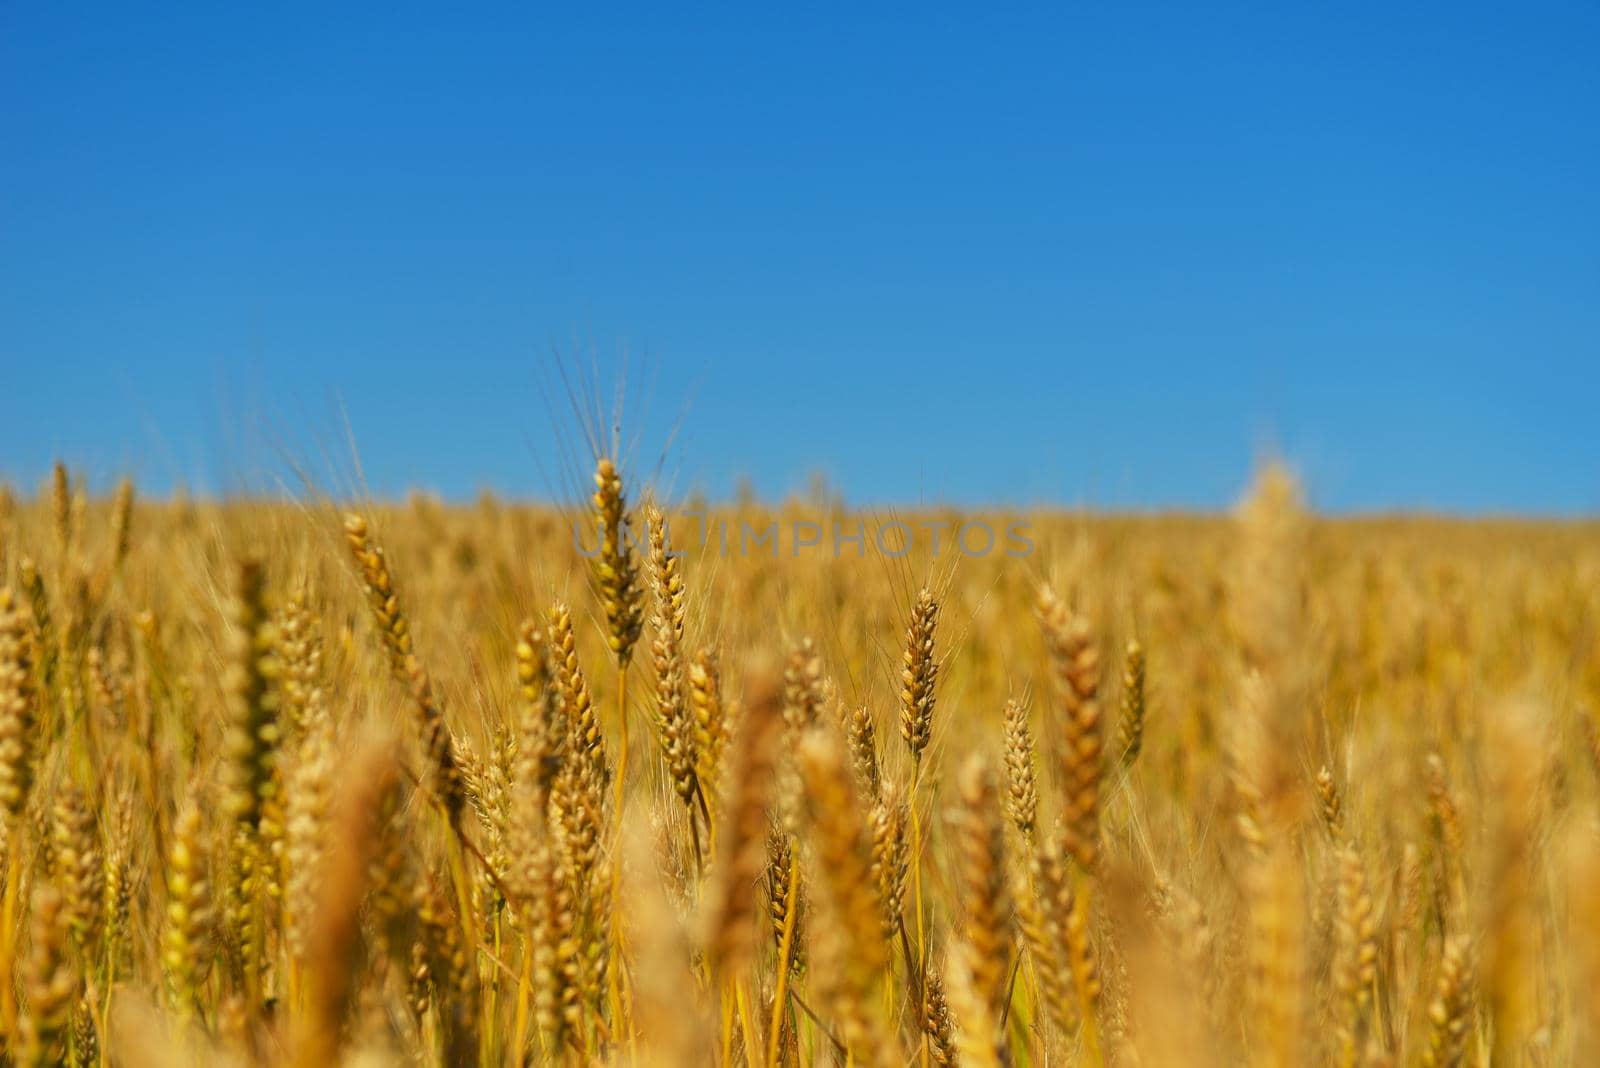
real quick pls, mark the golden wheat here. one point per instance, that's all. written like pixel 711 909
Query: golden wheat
pixel 1348 820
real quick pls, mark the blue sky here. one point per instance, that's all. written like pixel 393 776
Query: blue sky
pixel 1105 256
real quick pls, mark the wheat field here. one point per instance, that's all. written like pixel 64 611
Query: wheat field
pixel 315 783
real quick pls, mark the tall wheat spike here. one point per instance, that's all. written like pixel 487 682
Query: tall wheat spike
pixel 1130 730
pixel 1075 668
pixel 673 720
pixel 920 675
pixel 616 568
pixel 18 706
pixel 1022 791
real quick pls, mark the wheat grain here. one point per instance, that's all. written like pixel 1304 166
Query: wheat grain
pixel 920 675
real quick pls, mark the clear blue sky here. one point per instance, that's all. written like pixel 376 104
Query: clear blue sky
pixel 1105 256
